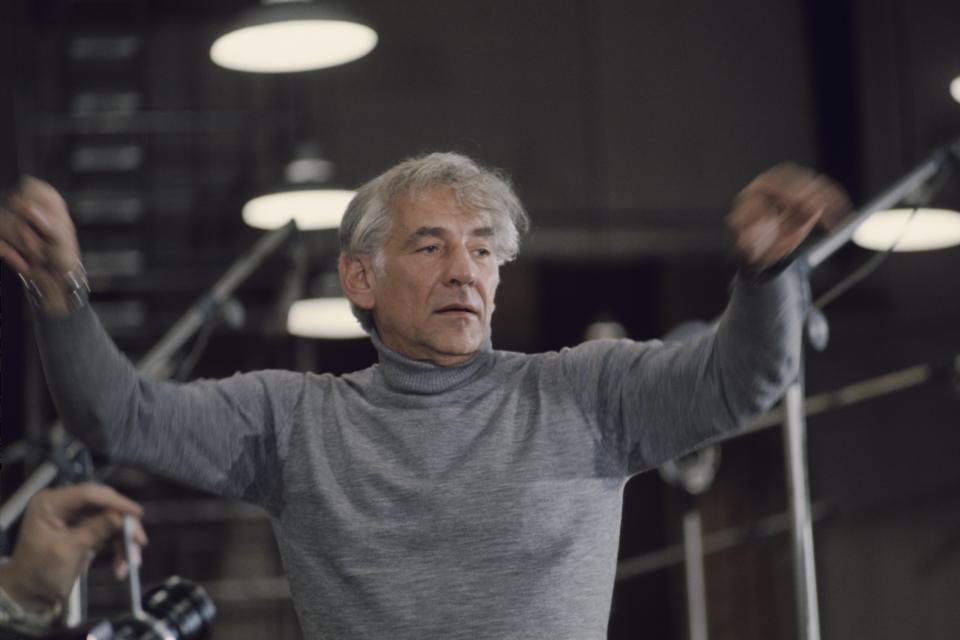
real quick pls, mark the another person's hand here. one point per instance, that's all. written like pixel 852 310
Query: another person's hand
pixel 62 530
pixel 777 211
pixel 38 241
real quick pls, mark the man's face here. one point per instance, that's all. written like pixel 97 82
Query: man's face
pixel 433 299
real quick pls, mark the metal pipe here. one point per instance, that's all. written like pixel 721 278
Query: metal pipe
pixel 795 432
pixel 715 542
pixel 154 363
pixel 854 393
pixel 694 574
pixel 804 570
pixel 903 188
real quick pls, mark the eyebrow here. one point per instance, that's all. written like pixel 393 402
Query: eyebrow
pixel 441 232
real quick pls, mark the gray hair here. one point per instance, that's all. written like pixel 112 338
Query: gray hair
pixel 367 221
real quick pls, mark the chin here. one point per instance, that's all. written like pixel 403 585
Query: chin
pixel 459 345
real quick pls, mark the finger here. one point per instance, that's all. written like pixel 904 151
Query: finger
pixel 33 247
pixel 120 568
pixel 18 233
pixel 40 205
pixel 798 219
pixel 821 193
pixel 46 203
pixel 784 243
pixel 139 534
pixel 769 236
pixel 749 207
pixel 78 498
pixel 45 196
pixel 31 212
pixel 802 200
pixel 791 186
pixel 120 565
pixel 815 195
pixel 780 179
pixel 13 258
pixel 121 562
pixel 30 244
pixel 790 218
pixel 753 225
pixel 94 531
pixel 837 205
pixel 755 240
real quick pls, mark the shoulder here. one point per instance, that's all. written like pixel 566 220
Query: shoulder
pixel 597 354
pixel 360 382
pixel 290 390
pixel 276 385
pixel 591 355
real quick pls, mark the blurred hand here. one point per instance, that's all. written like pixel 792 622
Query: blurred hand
pixel 38 240
pixel 777 211
pixel 62 530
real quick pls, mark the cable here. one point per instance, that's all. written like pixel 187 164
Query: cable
pixel 866 269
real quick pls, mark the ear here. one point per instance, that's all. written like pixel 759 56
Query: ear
pixel 357 280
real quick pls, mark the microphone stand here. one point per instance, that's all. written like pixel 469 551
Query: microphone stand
pixel 70 452
pixel 795 431
pixel 157 360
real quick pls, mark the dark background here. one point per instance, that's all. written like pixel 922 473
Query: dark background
pixel 628 128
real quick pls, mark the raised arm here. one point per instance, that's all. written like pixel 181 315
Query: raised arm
pixel 221 435
pixel 654 401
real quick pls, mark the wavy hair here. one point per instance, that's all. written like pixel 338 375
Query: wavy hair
pixel 368 218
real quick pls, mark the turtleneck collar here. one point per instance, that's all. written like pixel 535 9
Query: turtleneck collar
pixel 413 376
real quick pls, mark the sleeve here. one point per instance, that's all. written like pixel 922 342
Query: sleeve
pixel 654 401
pixel 223 436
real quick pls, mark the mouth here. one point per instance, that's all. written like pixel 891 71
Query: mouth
pixel 457 309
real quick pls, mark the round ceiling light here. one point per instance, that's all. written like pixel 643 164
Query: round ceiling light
pixel 310 208
pixel 904 230
pixel 955 88
pixel 291 36
pixel 328 318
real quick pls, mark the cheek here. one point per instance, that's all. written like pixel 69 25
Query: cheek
pixel 415 294
pixel 491 290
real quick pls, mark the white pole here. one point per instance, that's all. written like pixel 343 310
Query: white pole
pixel 804 569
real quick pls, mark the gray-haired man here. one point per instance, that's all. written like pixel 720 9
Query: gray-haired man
pixel 450 491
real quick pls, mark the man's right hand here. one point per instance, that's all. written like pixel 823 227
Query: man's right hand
pixel 38 241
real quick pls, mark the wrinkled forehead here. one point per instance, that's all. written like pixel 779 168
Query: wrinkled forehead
pixel 415 206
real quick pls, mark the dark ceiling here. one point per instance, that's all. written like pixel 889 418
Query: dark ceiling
pixel 627 126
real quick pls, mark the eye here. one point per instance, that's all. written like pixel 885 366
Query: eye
pixel 429 249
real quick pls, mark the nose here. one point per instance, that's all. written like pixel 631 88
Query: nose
pixel 461 271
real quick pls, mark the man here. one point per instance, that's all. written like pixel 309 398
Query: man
pixel 62 529
pixel 451 491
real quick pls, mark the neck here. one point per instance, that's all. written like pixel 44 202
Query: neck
pixel 426 355
pixel 428 376
pixel 437 359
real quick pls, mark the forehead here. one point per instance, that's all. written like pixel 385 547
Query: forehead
pixel 437 207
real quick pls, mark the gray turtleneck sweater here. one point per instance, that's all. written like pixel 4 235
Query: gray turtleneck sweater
pixel 415 501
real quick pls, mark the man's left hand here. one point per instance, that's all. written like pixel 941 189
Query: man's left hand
pixel 777 211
